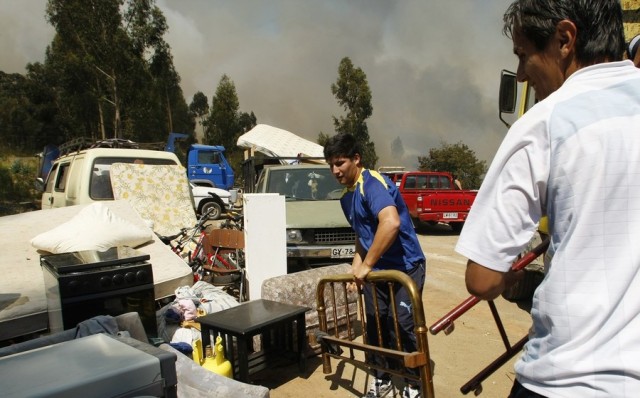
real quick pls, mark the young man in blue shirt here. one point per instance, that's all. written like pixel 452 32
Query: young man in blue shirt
pixel 385 240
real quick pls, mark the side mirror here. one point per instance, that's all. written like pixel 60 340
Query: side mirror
pixel 39 184
pixel 508 93
pixel 234 195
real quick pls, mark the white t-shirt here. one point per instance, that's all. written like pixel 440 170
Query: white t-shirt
pixel 576 157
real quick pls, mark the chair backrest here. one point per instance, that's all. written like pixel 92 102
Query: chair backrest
pixel 224 239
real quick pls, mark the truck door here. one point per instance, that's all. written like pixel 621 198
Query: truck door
pixel 209 169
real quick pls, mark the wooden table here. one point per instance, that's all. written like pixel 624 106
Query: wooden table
pixel 280 326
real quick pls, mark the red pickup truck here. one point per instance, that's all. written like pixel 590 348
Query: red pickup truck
pixel 432 197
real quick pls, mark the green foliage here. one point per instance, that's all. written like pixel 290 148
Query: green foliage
pixel 457 159
pixel 222 124
pixel 6 184
pixel 353 94
pixel 17 178
pixel 226 123
pixel 107 73
pixel 322 139
pixel 199 107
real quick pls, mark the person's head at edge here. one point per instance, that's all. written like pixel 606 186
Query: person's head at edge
pixel 344 156
pixel 553 39
pixel 632 51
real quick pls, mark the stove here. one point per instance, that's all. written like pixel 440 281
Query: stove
pixel 84 284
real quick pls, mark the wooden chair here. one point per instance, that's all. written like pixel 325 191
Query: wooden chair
pixel 332 341
pixel 225 249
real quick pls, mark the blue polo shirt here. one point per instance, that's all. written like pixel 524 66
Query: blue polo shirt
pixel 361 205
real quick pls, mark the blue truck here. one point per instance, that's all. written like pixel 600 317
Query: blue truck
pixel 206 164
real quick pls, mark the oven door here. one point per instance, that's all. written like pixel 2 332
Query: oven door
pixel 140 299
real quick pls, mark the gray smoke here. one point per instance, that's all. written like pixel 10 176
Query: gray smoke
pixel 433 67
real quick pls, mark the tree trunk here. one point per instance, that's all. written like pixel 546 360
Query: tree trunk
pixel 169 118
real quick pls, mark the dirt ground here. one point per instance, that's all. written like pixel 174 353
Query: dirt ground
pixel 458 357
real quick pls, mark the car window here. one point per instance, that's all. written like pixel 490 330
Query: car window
pixel 51 178
pixel 445 183
pixel 61 179
pixel 410 182
pixel 433 182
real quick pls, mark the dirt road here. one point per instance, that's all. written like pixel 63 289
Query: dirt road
pixel 458 357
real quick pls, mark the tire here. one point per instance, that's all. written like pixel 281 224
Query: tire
pixel 217 209
pixel 456 226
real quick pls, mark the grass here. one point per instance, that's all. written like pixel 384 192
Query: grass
pixel 17 183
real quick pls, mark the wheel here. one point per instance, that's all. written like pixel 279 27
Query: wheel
pixel 456 226
pixel 217 210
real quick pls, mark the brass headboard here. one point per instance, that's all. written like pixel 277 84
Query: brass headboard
pixel 332 340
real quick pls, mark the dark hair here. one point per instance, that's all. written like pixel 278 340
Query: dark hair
pixel 600 35
pixel 341 144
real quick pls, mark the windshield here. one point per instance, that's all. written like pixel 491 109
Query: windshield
pixel 305 184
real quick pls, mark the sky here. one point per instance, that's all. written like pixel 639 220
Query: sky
pixel 433 66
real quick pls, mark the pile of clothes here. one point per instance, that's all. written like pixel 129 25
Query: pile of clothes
pixel 177 320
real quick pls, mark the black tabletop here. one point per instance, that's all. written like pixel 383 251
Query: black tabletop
pixel 251 316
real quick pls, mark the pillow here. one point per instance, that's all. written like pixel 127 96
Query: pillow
pixel 94 228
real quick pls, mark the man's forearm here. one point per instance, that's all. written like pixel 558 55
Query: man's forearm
pixel 486 283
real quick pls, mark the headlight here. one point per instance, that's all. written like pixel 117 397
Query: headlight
pixel 294 236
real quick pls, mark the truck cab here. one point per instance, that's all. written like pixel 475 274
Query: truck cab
pixel 207 166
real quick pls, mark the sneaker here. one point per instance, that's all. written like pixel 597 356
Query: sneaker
pixel 379 388
pixel 411 392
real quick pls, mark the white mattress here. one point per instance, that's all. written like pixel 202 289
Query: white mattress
pixel 273 141
pixel 23 303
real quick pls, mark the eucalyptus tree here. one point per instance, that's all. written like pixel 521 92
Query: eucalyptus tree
pixel 353 94
pixel 114 70
pixel 222 125
pixel 226 123
pixel 199 107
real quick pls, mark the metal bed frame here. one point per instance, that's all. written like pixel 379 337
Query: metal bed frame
pixel 332 340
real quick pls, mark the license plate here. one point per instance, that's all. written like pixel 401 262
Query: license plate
pixel 450 215
pixel 343 252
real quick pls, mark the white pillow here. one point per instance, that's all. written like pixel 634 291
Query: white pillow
pixel 94 228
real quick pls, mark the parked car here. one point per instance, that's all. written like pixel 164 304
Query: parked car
pixel 203 200
pixel 317 231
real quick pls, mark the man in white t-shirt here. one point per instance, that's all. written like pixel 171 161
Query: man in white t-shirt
pixel 575 157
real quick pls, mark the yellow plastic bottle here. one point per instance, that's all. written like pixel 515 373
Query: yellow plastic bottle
pixel 197 352
pixel 216 363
